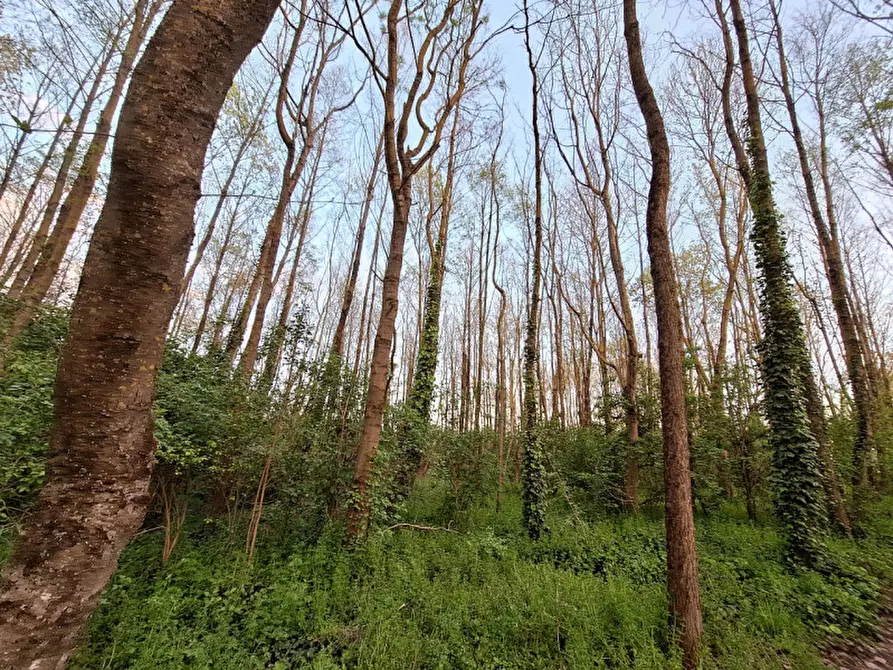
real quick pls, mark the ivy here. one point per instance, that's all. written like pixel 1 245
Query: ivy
pixel 414 424
pixel 533 468
pixel 797 474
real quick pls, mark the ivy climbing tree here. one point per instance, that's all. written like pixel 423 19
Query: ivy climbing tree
pixel 532 466
pixel 797 475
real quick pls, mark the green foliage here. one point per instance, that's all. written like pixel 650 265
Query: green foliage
pixel 588 595
pixel 26 410
pixel 796 474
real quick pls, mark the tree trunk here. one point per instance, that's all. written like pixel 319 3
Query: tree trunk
pixel 16 227
pixel 215 277
pixel 533 508
pixel 350 286
pixel 682 559
pixel 839 294
pixel 379 370
pixel 798 491
pixel 61 181
pixel 101 443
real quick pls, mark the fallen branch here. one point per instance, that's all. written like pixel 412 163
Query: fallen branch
pixel 413 526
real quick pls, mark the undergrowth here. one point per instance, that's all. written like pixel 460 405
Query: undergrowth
pixel 479 595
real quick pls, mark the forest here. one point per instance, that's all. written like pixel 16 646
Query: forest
pixel 446 334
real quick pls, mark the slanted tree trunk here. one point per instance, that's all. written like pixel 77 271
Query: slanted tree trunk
pixel 245 142
pixel 25 206
pixel 682 559
pixel 215 277
pixel 350 286
pixel 101 443
pixel 61 181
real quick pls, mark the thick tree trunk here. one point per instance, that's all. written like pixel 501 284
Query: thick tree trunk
pixel 682 559
pixel 101 443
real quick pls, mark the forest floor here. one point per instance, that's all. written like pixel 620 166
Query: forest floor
pixel 870 654
pixel 590 595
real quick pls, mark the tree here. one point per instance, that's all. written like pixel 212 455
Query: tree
pixel 682 559
pixel 591 92
pixel 878 12
pixel 301 124
pixel 533 470
pixel 49 258
pixel 825 223
pixel 799 499
pixel 449 31
pixel 96 493
pixel 421 393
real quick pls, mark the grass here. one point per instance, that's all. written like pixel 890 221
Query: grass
pixel 591 595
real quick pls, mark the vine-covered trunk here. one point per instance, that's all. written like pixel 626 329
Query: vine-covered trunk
pixel 101 443
pixel 826 232
pixel 799 495
pixel 418 404
pixel 533 507
pixel 682 559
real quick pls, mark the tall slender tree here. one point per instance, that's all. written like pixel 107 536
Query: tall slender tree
pixel 449 32
pixel 799 495
pixel 533 469
pixel 682 558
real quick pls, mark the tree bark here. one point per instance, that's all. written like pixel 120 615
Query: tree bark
pixel 101 443
pixel 682 559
